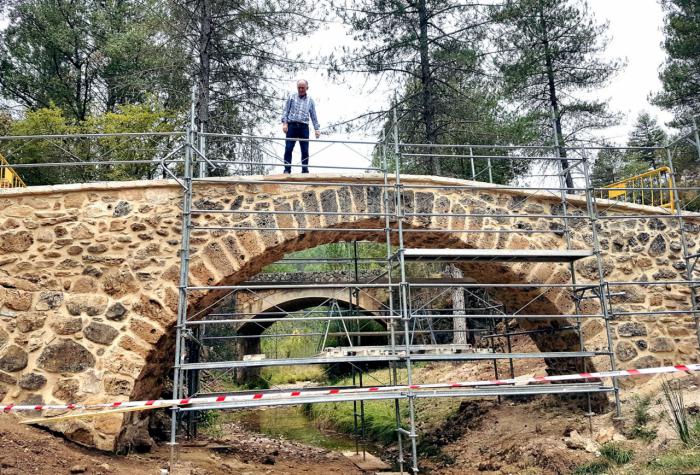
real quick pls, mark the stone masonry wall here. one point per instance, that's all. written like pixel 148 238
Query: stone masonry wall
pixel 89 274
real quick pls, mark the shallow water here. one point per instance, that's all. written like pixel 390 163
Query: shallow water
pixel 291 423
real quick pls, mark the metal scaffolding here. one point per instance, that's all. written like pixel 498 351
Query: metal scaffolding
pixel 415 324
pixel 405 322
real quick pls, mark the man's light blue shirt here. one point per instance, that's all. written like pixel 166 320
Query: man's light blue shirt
pixel 299 109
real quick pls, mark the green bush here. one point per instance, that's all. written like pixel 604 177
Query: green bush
pixel 211 422
pixel 616 453
pixel 641 410
pixel 147 117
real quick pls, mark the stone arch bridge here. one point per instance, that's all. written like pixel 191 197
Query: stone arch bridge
pixel 89 273
pixel 257 303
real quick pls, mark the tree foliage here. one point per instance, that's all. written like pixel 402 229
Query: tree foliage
pixel 646 135
pixel 614 164
pixel 233 47
pixel 88 57
pixel 147 117
pixel 473 116
pixel 5 123
pixel 549 53
pixel 680 74
pixel 422 45
pixel 609 167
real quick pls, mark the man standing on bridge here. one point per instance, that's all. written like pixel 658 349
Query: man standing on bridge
pixel 295 124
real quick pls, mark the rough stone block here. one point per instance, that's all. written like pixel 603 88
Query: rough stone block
pixel 91 304
pixel 100 333
pixel 30 321
pixel 66 356
pixel 145 331
pixel 625 351
pixel 632 329
pixel 16 242
pixel 13 358
pixel 661 345
pixel 32 381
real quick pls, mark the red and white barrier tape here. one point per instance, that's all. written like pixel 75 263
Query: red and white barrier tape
pixel 333 392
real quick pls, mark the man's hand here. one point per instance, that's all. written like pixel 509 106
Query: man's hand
pixel 318 133
pixel 284 128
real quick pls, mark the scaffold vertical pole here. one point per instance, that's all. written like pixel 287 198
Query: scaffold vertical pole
pixel 203 151
pixel 603 288
pixel 689 263
pixel 393 376
pixel 184 280
pixel 696 135
pixel 403 300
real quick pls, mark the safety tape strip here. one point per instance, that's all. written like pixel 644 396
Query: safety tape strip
pixel 371 389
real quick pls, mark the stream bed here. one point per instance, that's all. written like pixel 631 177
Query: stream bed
pixel 291 423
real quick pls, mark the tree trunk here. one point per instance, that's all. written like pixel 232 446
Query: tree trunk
pixel 554 102
pixel 428 109
pixel 459 324
pixel 205 32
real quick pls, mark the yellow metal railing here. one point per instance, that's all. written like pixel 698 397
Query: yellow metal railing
pixel 8 177
pixel 652 188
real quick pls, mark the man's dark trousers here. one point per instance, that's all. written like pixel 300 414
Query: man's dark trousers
pixel 296 130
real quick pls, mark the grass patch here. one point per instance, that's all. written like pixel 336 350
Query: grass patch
pixel 641 410
pixel 642 433
pixel 616 454
pixel 380 418
pixel 211 423
pixel 674 462
pixel 695 430
pixel 291 374
pixel 676 410
pixel 641 418
pixel 594 468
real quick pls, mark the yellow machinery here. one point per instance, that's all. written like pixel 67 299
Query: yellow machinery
pixel 8 177
pixel 652 188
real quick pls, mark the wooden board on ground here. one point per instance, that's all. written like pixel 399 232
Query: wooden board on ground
pixel 367 462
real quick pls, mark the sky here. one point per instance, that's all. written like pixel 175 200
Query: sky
pixel 635 31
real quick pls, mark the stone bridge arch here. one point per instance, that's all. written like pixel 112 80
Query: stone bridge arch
pixel 89 273
pixel 261 304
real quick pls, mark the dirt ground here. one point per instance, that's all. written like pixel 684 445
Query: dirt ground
pixel 28 450
pixel 541 436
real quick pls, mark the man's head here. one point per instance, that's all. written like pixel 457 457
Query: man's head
pixel 302 86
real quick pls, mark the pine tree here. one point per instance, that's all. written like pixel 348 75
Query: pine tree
pixel 646 133
pixel 681 73
pixel 469 113
pixel 233 46
pixel 421 45
pixel 550 50
pixel 608 167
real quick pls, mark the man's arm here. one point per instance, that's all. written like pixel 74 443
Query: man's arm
pixel 314 119
pixel 285 114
